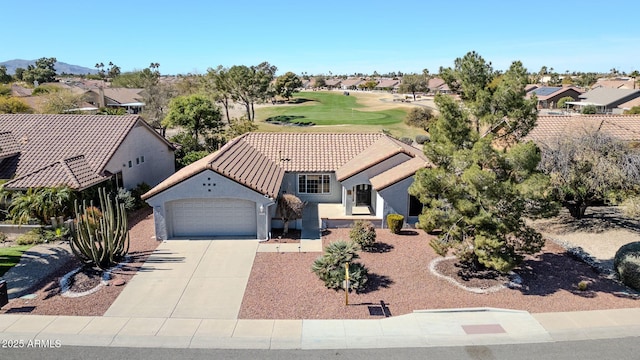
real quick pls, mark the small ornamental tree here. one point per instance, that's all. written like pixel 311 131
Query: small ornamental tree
pixel 330 267
pixel 363 233
pixel 289 208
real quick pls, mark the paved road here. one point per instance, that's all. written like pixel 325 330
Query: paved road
pixel 619 349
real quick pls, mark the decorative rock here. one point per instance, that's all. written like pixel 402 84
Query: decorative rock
pixel 118 282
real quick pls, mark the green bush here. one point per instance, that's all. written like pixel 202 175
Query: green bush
pixel 589 109
pixel 395 222
pixel 363 233
pixel 421 139
pixel 406 140
pixel 31 237
pixel 627 264
pixel 330 267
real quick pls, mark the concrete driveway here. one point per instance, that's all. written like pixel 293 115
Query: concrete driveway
pixel 200 279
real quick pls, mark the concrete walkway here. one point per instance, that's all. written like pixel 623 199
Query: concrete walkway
pixel 462 327
pixel 310 222
pixel 36 263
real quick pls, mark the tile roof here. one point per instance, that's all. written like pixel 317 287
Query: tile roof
pixel 549 128
pixel 629 104
pixel 398 173
pixel 260 160
pixel 8 145
pixel 388 83
pixel 62 148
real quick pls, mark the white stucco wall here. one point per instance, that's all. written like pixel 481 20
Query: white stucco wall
pixel 208 185
pixel 142 144
pixel 396 200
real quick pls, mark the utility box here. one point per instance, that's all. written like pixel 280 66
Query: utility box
pixel 4 296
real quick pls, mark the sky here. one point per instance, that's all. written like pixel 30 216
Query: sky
pixel 325 36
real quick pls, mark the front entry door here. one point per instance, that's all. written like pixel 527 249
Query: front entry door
pixel 363 195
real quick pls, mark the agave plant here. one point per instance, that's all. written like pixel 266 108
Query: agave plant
pixel 100 241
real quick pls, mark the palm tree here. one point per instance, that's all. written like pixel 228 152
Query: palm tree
pixel 24 206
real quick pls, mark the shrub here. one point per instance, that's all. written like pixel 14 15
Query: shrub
pixel 124 196
pixel 31 237
pixel 395 222
pixel 406 140
pixel 140 190
pixel 583 285
pixel 563 101
pixel 627 264
pixel 631 207
pixel 589 109
pixel 363 233
pixel 330 267
pixel 421 139
pixel 3 237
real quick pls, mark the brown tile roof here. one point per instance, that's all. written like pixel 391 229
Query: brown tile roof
pixel 311 152
pixel 351 82
pixel 61 148
pixel 8 145
pixel 384 148
pixel 629 104
pixel 398 173
pixel 260 160
pixel 549 128
pixel 387 83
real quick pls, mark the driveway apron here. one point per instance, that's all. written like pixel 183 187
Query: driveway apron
pixel 200 279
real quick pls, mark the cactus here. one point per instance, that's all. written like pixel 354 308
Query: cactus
pixel 101 241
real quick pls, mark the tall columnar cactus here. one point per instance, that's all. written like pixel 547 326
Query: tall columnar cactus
pixel 101 240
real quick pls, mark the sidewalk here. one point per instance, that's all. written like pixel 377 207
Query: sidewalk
pixel 458 327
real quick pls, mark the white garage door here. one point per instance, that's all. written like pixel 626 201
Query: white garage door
pixel 213 218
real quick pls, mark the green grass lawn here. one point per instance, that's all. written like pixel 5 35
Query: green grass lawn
pixel 10 256
pixel 326 108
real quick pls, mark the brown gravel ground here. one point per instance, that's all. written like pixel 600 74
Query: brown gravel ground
pixel 282 286
pixel 48 300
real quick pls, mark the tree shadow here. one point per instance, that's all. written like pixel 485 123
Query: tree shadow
pixel 549 273
pixel 380 247
pixel 597 219
pixel 408 233
pixel 299 100
pixel 288 120
pixel 375 282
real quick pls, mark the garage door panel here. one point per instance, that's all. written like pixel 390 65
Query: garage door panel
pixel 213 218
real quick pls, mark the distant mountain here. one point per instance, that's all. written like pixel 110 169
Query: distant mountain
pixel 60 67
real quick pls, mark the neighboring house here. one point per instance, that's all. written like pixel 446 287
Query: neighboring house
pixel 438 86
pixel 388 85
pixel 79 151
pixel 132 100
pixel 628 105
pixel 332 83
pixel 551 128
pixel 606 100
pixel 233 191
pixel 548 96
pixel 617 83
pixel 351 84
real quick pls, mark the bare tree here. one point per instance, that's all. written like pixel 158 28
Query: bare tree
pixel 590 168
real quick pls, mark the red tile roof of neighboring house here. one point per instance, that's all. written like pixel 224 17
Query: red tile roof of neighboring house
pixel 629 104
pixel 550 128
pixel 387 83
pixel 8 144
pixel 352 82
pixel 61 149
pixel 124 95
pixel 260 160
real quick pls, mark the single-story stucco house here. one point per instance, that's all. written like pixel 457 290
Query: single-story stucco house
pixel 233 191
pixel 80 151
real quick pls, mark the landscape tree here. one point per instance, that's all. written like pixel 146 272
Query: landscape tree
pixel 43 71
pixel 319 82
pixel 14 105
pixel 411 84
pixel 493 100
pixel 18 75
pixel 479 195
pixel 218 86
pixel 251 84
pixel 589 109
pixel 563 101
pixel 287 84
pixel 5 78
pixel 289 208
pixel 420 117
pixel 633 110
pixel 156 95
pixel 62 101
pixel 195 113
pixel 590 168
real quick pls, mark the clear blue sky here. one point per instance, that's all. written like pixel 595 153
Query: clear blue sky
pixel 322 36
